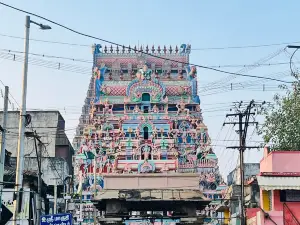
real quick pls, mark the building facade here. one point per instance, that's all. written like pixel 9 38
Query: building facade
pixel 57 152
pixel 272 194
pixel 279 182
pixel 142 136
pixel 56 159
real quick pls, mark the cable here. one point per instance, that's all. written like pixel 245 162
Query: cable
pixel 146 53
pixel 48 56
pixel 194 49
pixel 52 42
pixel 10 94
pixel 91 62
pixel 247 69
pixel 246 46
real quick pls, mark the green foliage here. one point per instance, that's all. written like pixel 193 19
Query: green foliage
pixel 282 122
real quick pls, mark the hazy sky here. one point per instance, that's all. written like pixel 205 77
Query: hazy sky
pixel 203 24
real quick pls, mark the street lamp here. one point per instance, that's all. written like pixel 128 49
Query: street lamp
pixel 296 47
pixel 20 153
pixel 42 26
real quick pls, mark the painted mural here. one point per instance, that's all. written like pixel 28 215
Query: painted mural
pixel 144 117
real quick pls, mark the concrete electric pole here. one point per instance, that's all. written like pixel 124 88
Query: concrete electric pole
pixel 3 145
pixel 20 153
pixel 241 114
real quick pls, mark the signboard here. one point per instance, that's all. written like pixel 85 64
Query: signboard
pixel 56 219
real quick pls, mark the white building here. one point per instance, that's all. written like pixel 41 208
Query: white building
pixel 56 153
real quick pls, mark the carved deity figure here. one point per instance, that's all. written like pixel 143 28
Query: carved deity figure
pixel 107 107
pixel 193 122
pixel 154 133
pixel 144 73
pixel 156 152
pixel 181 107
pixel 155 109
pixel 146 151
pixel 120 121
pixel 121 133
pixel 137 132
pixel 136 109
pixel 184 136
pixel 200 125
pixel 198 108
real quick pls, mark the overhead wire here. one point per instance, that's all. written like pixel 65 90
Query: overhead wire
pixel 194 49
pixel 222 81
pixel 65 67
pixel 145 53
pixel 91 62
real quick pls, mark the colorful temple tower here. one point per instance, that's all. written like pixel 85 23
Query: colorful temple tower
pixel 141 136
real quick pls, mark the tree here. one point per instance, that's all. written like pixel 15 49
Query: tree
pixel 282 122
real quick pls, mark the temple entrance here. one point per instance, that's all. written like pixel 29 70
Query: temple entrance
pixel 146 133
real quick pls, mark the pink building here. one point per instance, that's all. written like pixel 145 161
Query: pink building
pixel 279 182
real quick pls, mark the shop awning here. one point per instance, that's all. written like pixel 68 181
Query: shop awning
pixel 278 183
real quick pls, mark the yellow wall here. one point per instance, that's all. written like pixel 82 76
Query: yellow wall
pixel 265 200
pixel 226 216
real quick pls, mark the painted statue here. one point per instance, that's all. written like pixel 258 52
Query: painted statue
pixel 99 78
pixel 181 107
pixel 108 108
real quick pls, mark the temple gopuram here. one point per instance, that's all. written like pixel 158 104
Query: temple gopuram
pixel 143 151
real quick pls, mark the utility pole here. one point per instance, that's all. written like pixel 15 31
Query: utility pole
pixel 3 146
pixel 39 194
pixel 241 114
pixel 38 153
pixel 20 153
pixel 55 195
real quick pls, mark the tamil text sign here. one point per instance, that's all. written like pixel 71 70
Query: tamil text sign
pixel 57 219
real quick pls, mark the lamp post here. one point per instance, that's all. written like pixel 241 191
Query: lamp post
pixel 296 47
pixel 22 121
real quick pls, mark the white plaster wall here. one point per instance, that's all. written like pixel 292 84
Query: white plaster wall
pixel 45 124
pixel 49 174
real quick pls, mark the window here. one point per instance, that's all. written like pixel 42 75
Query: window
pixel 146 97
pixel 146 133
pixel 146 109
pixel 290 196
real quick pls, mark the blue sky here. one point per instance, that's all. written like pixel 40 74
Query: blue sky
pixel 203 24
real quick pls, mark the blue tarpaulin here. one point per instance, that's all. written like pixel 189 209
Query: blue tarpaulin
pixel 57 219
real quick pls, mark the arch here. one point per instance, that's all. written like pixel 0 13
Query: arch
pixel 135 89
pixel 149 125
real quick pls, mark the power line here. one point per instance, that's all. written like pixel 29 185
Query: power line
pixel 91 62
pixel 194 49
pixel 86 71
pixel 46 41
pixel 146 53
pixel 49 56
pixel 244 70
pixel 247 46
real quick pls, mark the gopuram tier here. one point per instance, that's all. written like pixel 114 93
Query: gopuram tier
pixel 141 135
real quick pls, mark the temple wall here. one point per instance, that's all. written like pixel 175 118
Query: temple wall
pixel 151 181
